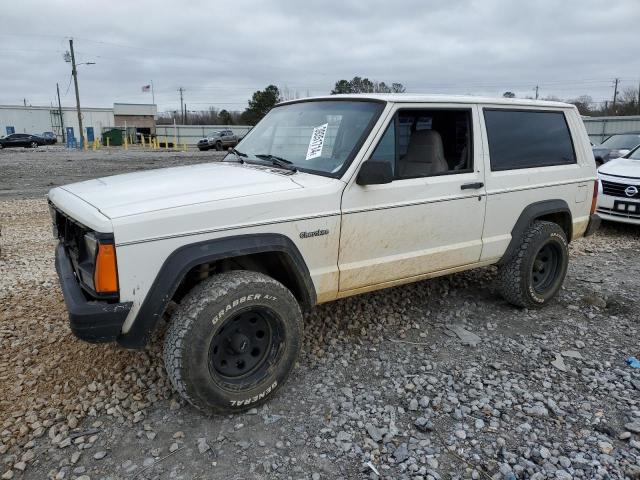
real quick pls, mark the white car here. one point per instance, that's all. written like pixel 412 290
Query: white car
pixel 325 198
pixel 619 199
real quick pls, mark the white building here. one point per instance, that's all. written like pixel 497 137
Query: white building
pixel 36 120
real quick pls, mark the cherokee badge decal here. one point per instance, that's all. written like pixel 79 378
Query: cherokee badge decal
pixel 315 233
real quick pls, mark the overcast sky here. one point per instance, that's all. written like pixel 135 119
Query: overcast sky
pixel 221 52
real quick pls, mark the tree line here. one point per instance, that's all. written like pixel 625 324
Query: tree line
pixel 627 103
pixel 264 100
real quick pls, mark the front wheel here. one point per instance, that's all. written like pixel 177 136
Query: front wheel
pixel 219 146
pixel 535 272
pixel 34 144
pixel 233 341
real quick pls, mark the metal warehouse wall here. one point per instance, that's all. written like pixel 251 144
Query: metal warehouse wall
pixel 190 134
pixel 36 120
pixel 599 128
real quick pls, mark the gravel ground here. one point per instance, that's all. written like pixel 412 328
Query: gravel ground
pixel 439 379
pixel 27 173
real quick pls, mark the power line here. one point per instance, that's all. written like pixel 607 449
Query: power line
pixel 68 86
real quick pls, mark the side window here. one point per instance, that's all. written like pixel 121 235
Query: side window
pixel 527 138
pixel 386 149
pixel 424 143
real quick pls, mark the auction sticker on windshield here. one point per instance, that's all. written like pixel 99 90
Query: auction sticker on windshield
pixel 317 141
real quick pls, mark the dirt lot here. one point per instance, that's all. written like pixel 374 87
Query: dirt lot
pixel 384 387
pixel 29 173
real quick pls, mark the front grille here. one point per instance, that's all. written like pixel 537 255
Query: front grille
pixel 616 189
pixel 69 232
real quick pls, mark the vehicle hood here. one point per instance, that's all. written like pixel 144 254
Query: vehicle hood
pixel 151 190
pixel 623 167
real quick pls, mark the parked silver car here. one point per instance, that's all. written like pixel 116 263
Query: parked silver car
pixel 219 140
pixel 615 146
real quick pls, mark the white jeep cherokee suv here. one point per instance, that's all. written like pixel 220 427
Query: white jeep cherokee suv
pixel 325 198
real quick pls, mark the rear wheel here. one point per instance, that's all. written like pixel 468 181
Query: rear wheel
pixel 535 272
pixel 233 341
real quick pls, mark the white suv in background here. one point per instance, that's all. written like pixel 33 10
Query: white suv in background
pixel 619 200
pixel 325 198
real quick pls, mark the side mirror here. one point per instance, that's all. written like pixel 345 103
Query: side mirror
pixel 374 173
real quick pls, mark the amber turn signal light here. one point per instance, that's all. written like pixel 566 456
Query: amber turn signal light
pixel 594 199
pixel 106 273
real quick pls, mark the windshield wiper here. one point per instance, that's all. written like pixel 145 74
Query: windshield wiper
pixel 277 161
pixel 238 154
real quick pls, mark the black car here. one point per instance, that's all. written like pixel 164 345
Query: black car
pixel 21 140
pixel 615 146
pixel 49 138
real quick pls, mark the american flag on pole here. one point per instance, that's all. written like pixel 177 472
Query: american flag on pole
pixel 146 88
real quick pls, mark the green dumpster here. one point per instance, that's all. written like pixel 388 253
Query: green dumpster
pixel 115 137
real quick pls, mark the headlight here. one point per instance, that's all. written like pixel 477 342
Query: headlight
pixel 92 246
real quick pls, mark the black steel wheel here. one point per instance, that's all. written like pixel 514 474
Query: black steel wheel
pixel 534 273
pixel 233 341
pixel 545 267
pixel 246 345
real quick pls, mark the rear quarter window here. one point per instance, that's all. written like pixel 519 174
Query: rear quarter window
pixel 528 138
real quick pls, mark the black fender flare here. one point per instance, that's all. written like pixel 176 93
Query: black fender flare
pixel 183 259
pixel 529 214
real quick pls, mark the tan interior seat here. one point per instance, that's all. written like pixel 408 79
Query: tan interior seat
pixel 425 155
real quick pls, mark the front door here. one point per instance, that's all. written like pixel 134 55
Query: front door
pixel 430 217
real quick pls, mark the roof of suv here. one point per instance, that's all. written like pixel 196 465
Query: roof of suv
pixel 435 98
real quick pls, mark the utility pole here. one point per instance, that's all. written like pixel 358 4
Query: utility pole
pixel 181 90
pixel 74 72
pixel 60 113
pixel 638 105
pixel 615 94
pixel 536 92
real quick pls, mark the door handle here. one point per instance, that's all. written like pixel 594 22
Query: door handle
pixel 472 186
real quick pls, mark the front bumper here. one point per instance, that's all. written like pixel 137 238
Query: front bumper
pixel 92 321
pixel 612 207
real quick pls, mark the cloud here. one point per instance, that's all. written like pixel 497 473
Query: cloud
pixel 221 53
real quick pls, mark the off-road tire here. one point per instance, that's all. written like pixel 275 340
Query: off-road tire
pixel 205 312
pixel 515 275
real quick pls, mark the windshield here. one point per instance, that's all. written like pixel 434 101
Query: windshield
pixel 316 136
pixel 622 141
